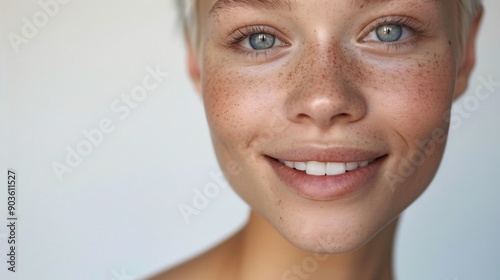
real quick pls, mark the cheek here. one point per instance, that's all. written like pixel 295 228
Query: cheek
pixel 222 98
pixel 413 97
pixel 228 108
pixel 239 104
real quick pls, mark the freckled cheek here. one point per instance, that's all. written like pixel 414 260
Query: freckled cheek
pixel 236 103
pixel 418 98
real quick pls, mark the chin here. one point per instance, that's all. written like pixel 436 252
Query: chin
pixel 331 231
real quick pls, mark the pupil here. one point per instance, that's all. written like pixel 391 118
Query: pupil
pixel 261 41
pixel 389 33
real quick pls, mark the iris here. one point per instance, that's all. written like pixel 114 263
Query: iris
pixel 389 33
pixel 262 41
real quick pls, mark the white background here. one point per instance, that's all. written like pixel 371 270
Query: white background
pixel 116 215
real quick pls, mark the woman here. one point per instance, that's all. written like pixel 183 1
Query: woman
pixel 329 117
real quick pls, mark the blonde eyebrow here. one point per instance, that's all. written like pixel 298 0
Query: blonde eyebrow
pixel 255 4
pixel 362 3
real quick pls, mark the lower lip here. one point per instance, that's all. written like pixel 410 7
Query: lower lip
pixel 324 188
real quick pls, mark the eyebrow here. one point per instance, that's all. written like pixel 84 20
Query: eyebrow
pixel 362 3
pixel 365 2
pixel 287 5
pixel 255 4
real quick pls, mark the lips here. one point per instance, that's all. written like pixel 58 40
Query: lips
pixel 329 173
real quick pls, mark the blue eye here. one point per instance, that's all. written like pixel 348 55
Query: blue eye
pixel 389 33
pixel 262 41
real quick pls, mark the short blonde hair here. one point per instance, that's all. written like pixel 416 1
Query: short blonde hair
pixel 187 10
pixel 469 10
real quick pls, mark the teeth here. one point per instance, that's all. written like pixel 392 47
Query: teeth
pixel 317 168
pixel 300 166
pixel 335 168
pixel 351 165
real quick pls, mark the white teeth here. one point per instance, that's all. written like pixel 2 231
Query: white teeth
pixel 335 168
pixel 316 168
pixel 351 165
pixel 302 166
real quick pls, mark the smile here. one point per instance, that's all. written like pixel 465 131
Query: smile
pixel 327 174
pixel 317 168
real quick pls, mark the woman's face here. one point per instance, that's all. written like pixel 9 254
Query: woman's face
pixel 356 93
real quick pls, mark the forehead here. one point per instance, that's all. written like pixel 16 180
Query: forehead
pixel 214 6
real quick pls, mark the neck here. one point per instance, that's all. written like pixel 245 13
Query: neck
pixel 264 254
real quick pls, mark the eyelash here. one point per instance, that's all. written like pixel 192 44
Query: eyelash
pixel 418 29
pixel 411 24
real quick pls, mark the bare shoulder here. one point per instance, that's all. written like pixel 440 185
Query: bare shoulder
pixel 210 265
pixel 186 271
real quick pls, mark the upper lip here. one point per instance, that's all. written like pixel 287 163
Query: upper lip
pixel 325 154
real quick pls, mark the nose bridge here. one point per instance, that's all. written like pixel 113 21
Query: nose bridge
pixel 323 93
pixel 325 67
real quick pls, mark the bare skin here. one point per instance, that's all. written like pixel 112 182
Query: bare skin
pixel 325 91
pixel 259 252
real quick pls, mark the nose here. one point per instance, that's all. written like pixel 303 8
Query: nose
pixel 324 91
